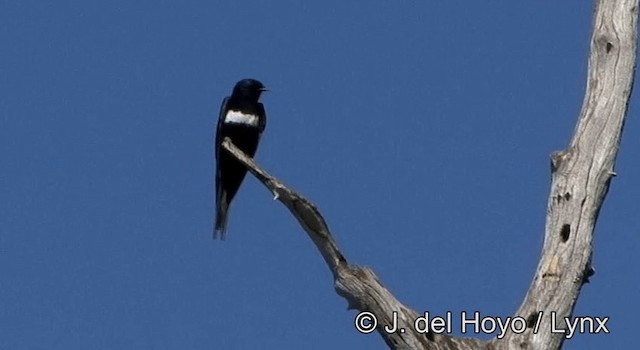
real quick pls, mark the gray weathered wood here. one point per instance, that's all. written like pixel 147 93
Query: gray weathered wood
pixel 580 179
pixel 358 285
pixel 581 175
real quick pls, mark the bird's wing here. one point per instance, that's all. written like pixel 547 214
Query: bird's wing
pixel 216 146
pixel 262 118
pixel 221 115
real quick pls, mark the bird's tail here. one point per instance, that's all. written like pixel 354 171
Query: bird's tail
pixel 222 206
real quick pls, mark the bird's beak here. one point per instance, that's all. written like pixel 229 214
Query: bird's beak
pixel 263 89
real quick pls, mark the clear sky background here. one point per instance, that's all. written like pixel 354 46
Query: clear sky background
pixel 422 130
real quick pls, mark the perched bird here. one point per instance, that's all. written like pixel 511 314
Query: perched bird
pixel 242 119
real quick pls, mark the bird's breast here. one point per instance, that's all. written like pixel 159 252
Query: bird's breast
pixel 237 117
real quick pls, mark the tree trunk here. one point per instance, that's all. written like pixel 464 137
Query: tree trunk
pixel 581 175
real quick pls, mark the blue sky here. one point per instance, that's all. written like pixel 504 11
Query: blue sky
pixel 422 130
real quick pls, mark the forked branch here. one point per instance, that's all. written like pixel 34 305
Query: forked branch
pixel 581 175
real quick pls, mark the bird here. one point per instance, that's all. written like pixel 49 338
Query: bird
pixel 243 119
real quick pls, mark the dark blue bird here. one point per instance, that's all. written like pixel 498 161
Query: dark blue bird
pixel 242 119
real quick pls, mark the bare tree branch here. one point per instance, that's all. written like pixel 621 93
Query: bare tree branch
pixel 358 285
pixel 581 175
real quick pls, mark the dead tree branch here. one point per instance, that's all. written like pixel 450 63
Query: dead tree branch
pixel 581 175
pixel 358 285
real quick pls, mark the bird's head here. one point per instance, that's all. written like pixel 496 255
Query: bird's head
pixel 249 89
